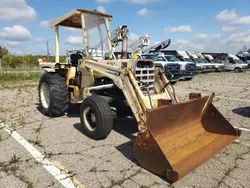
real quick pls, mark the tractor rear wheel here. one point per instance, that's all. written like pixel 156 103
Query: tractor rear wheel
pixel 53 94
pixel 96 117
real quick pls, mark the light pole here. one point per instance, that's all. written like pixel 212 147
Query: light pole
pixel 0 63
pixel 48 53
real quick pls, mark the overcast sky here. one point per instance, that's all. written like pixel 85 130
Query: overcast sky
pixel 196 25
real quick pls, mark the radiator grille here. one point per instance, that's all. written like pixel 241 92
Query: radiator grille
pixel 145 76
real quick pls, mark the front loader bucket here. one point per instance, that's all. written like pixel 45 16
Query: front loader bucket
pixel 181 137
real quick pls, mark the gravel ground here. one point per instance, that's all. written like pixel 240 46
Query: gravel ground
pixel 110 162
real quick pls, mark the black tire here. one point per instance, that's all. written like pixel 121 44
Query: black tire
pixel 97 108
pixel 188 79
pixel 237 69
pixel 58 94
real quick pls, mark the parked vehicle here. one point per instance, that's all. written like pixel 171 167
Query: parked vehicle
pixel 171 68
pixel 216 66
pixel 201 66
pixel 247 58
pixel 230 61
pixel 188 67
pixel 244 55
pixel 170 65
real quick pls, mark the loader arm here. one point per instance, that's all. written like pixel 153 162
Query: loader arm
pixel 120 71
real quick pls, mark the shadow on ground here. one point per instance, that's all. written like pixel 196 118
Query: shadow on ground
pixel 126 150
pixel 242 111
pixel 39 108
pixel 73 111
pixel 126 126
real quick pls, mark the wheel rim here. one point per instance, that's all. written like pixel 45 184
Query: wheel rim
pixel 45 95
pixel 89 119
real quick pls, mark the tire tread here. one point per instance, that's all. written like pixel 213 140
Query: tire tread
pixel 58 93
pixel 104 114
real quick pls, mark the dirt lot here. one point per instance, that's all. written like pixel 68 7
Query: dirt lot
pixel 110 163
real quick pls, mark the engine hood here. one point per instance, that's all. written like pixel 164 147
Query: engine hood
pixel 167 63
pixel 242 65
pixel 185 62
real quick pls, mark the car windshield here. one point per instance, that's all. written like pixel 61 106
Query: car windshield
pixel 171 58
pixel 239 61
pixel 211 60
pixel 149 57
pixel 188 59
pixel 198 60
pixel 205 61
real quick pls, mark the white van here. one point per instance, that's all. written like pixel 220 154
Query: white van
pixel 231 62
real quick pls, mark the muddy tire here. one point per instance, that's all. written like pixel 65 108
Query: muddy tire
pixel 53 95
pixel 237 69
pixel 96 117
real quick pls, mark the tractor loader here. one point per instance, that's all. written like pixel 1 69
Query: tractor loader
pixel 173 138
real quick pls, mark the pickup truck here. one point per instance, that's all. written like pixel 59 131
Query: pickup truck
pixel 171 66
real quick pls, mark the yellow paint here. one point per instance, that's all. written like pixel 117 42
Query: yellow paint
pixel 77 183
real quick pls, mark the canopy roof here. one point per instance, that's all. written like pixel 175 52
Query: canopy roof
pixel 73 19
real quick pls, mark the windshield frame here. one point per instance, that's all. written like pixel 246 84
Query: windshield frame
pixel 198 60
pixel 188 59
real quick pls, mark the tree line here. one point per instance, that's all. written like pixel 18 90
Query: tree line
pixel 13 61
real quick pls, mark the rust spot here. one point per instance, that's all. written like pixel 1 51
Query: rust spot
pixel 194 96
pixel 164 102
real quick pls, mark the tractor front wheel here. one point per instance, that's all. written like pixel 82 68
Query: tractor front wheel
pixel 96 117
pixel 53 94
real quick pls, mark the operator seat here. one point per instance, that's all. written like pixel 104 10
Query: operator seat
pixel 75 58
